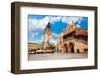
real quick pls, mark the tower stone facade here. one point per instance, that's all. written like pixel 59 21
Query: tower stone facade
pixel 47 36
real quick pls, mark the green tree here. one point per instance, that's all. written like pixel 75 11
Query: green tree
pixel 52 46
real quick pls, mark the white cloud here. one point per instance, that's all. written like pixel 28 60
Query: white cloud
pixel 42 37
pixel 34 34
pixel 55 19
pixel 69 20
pixel 78 25
pixel 41 23
pixel 55 34
pixel 38 24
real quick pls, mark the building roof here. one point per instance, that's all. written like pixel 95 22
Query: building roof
pixel 83 32
pixel 77 30
pixel 72 28
pixel 69 29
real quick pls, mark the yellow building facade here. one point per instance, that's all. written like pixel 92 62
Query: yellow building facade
pixel 73 40
pixel 32 47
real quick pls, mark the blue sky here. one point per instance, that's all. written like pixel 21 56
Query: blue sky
pixel 37 24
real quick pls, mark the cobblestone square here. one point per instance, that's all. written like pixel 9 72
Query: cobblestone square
pixel 57 56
